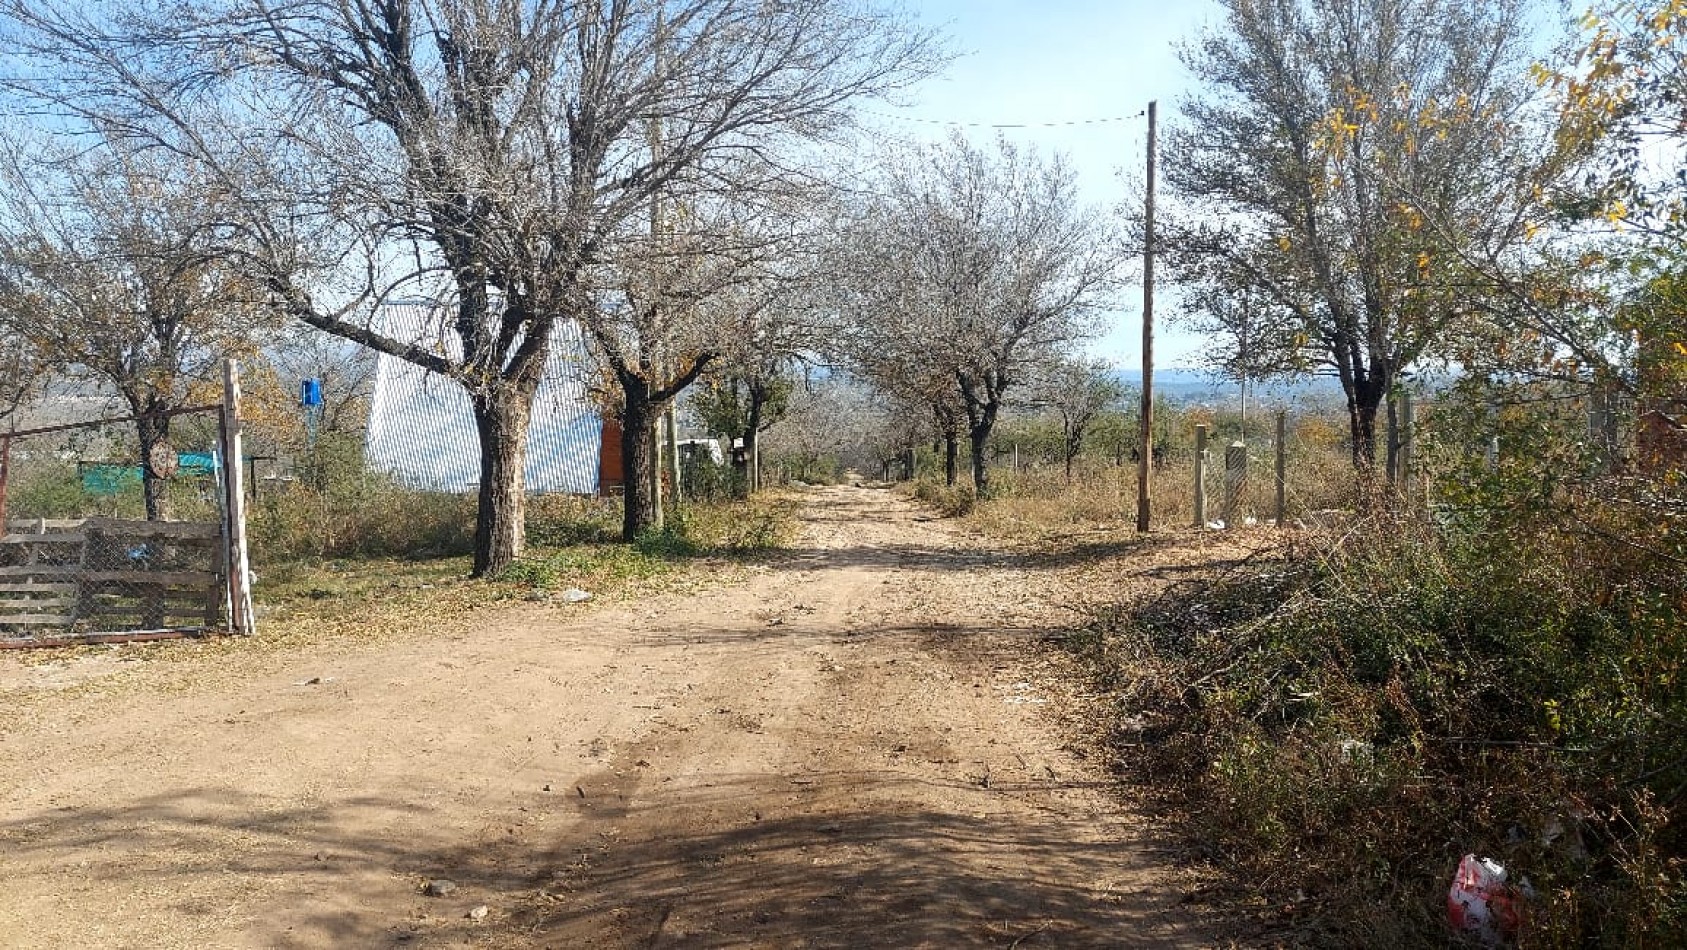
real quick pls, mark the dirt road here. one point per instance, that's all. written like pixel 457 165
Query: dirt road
pixel 855 746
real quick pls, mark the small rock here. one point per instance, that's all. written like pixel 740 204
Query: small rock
pixel 314 681
pixel 439 888
pixel 479 913
pixel 546 788
pixel 575 595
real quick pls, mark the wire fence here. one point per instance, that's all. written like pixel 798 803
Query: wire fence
pixel 1289 465
pixel 100 546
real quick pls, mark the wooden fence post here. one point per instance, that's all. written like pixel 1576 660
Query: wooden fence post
pixel 654 439
pixel 676 470
pixel 241 619
pixel 1282 466
pixel 1201 476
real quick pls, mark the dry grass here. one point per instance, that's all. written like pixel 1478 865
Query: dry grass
pixel 1037 501
pixel 343 604
pixel 1341 721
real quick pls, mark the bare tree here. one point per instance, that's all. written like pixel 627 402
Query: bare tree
pixel 503 158
pixel 837 417
pixel 896 361
pixel 1328 141
pixel 345 373
pixel 23 371
pixel 1077 391
pixel 106 271
pixel 972 265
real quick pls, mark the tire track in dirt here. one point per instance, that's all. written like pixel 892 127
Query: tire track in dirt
pixel 852 747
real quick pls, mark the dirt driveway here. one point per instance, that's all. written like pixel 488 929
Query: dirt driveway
pixel 858 745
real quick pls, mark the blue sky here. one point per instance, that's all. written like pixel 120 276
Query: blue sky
pixel 1065 60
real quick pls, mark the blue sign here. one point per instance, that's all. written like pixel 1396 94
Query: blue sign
pixel 310 392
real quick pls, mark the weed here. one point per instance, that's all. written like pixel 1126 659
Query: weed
pixel 668 542
pixel 539 574
pixel 1346 719
pixel 953 501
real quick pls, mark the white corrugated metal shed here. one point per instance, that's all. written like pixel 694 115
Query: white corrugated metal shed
pixel 421 426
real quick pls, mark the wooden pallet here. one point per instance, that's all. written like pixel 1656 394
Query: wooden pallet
pixel 99 576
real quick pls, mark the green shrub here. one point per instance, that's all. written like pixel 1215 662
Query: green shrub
pixel 669 541
pixel 53 489
pixel 538 574
pixel 369 516
pixel 810 468
pixel 709 482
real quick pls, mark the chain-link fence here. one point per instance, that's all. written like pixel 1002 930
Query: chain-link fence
pixel 104 542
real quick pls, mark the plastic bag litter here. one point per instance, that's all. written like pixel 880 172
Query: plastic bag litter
pixel 1482 905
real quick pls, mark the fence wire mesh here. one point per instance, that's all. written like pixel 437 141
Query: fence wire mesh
pixel 1257 468
pixel 98 544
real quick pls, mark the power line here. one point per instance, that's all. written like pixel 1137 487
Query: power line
pixel 1005 125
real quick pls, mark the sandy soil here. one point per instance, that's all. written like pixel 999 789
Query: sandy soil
pixel 859 744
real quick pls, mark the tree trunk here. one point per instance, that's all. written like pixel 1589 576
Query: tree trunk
pixel 980 438
pixel 154 433
pixel 1362 427
pixel 638 413
pixel 1392 466
pixel 501 418
pixel 752 435
pixel 982 397
pixel 951 457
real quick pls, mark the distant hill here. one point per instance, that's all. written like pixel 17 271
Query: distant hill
pixel 1196 386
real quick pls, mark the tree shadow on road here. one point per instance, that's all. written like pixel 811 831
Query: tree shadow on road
pixel 834 870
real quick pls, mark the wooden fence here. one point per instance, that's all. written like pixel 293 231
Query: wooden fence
pixel 109 579
pixel 104 579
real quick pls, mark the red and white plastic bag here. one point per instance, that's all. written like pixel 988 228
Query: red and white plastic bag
pixel 1482 905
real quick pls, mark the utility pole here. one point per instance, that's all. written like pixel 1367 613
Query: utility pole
pixel 676 468
pixel 658 371
pixel 1145 466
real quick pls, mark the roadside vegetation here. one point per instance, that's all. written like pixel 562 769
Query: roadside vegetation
pixel 1468 635
pixel 1486 664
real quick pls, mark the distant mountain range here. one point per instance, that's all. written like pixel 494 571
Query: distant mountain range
pixel 1200 386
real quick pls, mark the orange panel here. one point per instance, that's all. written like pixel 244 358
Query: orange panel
pixel 612 473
